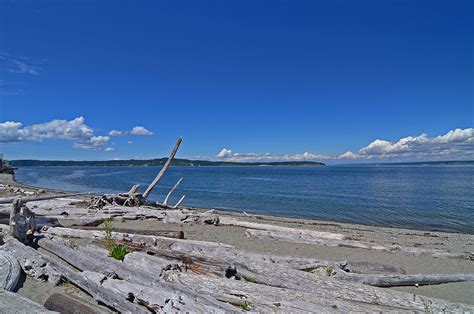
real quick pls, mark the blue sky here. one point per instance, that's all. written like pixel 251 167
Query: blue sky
pixel 245 80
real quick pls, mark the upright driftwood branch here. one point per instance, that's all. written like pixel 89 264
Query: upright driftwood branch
pixel 172 190
pixel 163 170
pixel 180 201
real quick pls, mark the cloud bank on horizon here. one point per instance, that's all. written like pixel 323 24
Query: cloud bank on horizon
pixel 76 130
pixel 455 144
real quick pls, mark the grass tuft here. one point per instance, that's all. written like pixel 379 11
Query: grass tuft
pixel 117 251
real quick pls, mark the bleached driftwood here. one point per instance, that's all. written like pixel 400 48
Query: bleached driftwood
pixel 132 197
pixel 25 199
pixel 10 271
pixel 164 169
pixel 160 233
pixel 135 279
pixel 31 262
pixel 21 230
pixel 133 238
pixel 14 303
pixel 294 231
pixel 341 269
pixel 304 238
pixel 48 266
pixel 165 202
pixel 179 202
pixel 403 280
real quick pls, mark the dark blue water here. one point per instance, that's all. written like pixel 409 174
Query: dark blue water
pixel 421 197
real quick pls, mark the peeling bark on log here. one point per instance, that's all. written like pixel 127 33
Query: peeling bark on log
pixel 163 170
pixel 165 202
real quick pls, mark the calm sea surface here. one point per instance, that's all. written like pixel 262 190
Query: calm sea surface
pixel 421 197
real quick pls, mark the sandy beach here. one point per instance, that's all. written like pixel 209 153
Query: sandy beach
pixel 238 237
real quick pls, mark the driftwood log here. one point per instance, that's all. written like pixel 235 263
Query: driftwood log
pixel 133 198
pixel 10 272
pixel 160 233
pixel 14 303
pixel 64 303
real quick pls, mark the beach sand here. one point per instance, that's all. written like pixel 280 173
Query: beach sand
pixel 236 236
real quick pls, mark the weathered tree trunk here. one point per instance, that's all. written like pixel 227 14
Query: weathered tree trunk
pixel 163 170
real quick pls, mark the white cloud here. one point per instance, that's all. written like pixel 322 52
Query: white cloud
pixel 140 131
pixel 73 130
pixel 130 142
pixel 455 144
pixel 114 133
pixel 109 149
pixel 225 153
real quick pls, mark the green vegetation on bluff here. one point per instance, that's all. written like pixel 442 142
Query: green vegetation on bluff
pixel 152 163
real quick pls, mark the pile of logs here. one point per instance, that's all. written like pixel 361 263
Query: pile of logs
pixel 52 238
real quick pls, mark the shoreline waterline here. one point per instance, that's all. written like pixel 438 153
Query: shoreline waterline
pixel 244 213
pixel 420 198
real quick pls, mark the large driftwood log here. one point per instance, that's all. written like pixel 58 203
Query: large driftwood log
pixel 304 238
pixel 403 280
pixel 164 169
pixel 129 237
pixel 160 233
pixel 25 199
pixel 294 231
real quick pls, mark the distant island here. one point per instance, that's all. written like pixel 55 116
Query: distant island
pixel 152 163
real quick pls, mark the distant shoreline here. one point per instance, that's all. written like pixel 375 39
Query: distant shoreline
pixel 207 163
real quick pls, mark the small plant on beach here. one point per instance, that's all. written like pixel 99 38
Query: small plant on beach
pixel 329 270
pixel 73 245
pixel 246 305
pixel 117 251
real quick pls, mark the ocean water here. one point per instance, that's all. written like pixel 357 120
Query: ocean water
pixel 437 197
